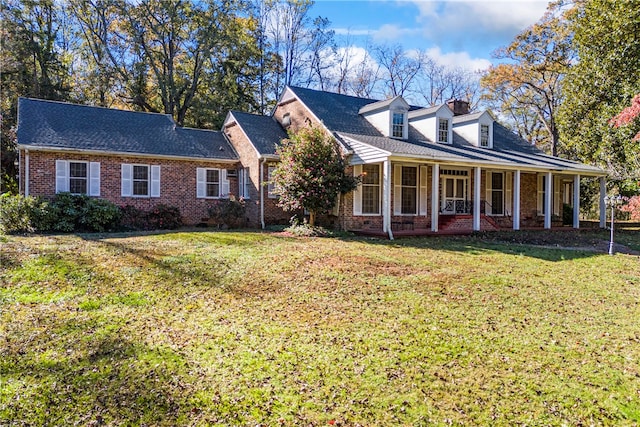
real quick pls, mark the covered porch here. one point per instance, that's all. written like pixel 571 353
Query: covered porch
pixel 438 198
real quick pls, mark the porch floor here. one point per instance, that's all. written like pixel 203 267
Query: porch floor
pixel 419 232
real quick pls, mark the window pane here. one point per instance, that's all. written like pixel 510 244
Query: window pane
pixel 443 130
pixel 398 125
pixel 213 176
pixel 140 188
pixel 496 202
pixel 370 174
pixel 496 181
pixel 140 172
pixel 448 188
pixel 371 199
pixel 484 135
pixel 213 190
pixel 459 188
pixel 78 186
pixel 409 175
pixel 77 170
pixel 409 198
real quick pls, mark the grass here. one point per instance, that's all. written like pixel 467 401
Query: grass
pixel 243 328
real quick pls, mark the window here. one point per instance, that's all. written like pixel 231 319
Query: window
pixel 244 183
pixel 211 183
pixel 78 177
pixel 270 186
pixel 140 181
pixel 443 130
pixel 497 193
pixel 409 190
pixel 542 193
pixel 484 135
pixel 371 189
pixel 397 126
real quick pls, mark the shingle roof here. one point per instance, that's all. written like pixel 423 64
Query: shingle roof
pixel 339 113
pixel 264 132
pixel 78 127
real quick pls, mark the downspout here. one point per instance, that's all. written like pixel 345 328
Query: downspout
pixel 261 160
pixel 19 170
pixel 387 198
pixel 26 172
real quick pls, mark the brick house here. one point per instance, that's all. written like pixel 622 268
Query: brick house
pixel 431 169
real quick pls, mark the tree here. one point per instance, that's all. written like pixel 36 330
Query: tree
pixel 530 82
pixel 400 69
pixel 34 63
pixel 601 84
pixel 311 173
pixel 628 115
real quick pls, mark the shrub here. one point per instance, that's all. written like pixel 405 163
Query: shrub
pixel 100 215
pixel 229 212
pixel 164 217
pixel 160 217
pixel 19 214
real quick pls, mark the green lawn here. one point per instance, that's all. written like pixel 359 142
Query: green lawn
pixel 225 328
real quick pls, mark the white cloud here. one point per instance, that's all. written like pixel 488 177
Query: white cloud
pixel 390 32
pixel 469 20
pixel 455 60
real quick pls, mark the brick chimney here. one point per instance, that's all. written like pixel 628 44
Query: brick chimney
pixel 458 107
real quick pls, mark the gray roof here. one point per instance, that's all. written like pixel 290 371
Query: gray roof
pixel 264 132
pixel 49 124
pixel 339 113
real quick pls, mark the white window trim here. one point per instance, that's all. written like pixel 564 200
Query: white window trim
pixel 397 189
pixel 153 181
pixel 63 177
pixel 201 183
pixel 361 195
pixel 541 194
pixel 449 135
pixel 270 187
pixel 489 135
pixel 405 124
pixel 490 189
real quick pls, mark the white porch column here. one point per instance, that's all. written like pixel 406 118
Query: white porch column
pixel 386 198
pixel 576 201
pixel 435 196
pixel 603 206
pixel 476 197
pixel 548 197
pixel 516 200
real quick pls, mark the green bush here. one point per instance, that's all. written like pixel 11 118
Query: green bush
pixel 228 212
pixel 19 214
pixel 70 212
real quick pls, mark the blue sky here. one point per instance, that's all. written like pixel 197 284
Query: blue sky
pixel 454 32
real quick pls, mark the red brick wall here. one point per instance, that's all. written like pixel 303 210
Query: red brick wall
pixel 177 180
pixel 249 158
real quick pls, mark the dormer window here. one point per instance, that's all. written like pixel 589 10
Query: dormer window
pixel 484 135
pixel 443 130
pixel 397 125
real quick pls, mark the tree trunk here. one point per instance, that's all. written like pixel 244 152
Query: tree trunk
pixel 312 218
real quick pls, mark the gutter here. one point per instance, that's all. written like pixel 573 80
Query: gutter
pixel 124 154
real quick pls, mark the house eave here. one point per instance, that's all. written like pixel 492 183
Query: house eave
pixel 122 153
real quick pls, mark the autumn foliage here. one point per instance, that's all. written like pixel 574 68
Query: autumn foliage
pixel 628 115
pixel 311 173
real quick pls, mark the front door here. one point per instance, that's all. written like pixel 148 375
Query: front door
pixel 454 194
